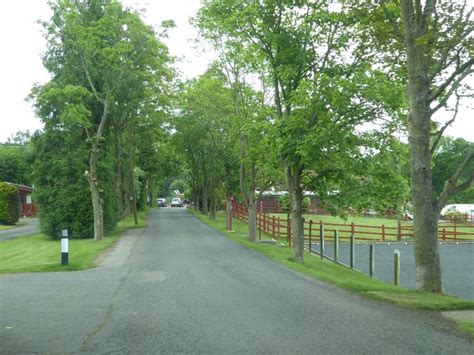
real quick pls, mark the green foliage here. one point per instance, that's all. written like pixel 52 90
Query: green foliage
pixel 15 163
pixel 285 204
pixel 449 155
pixel 9 204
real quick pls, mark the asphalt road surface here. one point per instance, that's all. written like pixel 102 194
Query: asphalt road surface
pixel 184 288
pixel 457 262
pixel 29 226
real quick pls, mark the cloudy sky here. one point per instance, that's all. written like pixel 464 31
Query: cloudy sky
pixel 22 43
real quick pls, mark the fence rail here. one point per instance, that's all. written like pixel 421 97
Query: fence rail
pixel 280 227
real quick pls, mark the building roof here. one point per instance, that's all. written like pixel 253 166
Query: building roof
pixel 23 188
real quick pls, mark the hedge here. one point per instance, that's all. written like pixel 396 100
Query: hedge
pixel 9 204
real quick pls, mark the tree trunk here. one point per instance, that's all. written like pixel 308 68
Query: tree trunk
pixel 428 268
pixel 205 199
pixel 228 211
pixel 296 198
pixel 252 221
pixel 131 168
pixel 95 194
pixel 118 169
pixel 213 206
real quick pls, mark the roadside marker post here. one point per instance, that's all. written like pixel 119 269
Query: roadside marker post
pixel 321 239
pixel 352 251
pixel 64 247
pixel 336 245
pixel 371 260
pixel 396 267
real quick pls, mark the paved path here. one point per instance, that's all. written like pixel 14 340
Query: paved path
pixel 29 226
pixel 184 288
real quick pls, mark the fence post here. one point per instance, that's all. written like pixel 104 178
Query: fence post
pixel 353 228
pixel 288 229
pixel 383 232
pixel 396 267
pixel 371 260
pixel 336 245
pixel 278 229
pixel 310 228
pixel 399 230
pixel 321 239
pixel 352 251
pixel 273 226
pixel 444 234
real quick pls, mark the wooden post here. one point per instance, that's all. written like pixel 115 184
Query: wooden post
pixel 278 229
pixel 371 260
pixel 273 226
pixel 396 268
pixel 383 232
pixel 310 228
pixel 321 240
pixel 288 229
pixel 444 234
pixel 352 246
pixel 399 230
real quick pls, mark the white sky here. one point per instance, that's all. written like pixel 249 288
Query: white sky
pixel 22 43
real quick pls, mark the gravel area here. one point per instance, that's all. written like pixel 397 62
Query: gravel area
pixel 119 254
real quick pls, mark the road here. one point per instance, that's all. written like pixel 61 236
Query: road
pixel 184 288
pixel 29 226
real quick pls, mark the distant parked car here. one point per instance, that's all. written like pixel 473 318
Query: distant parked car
pixel 161 202
pixel 176 202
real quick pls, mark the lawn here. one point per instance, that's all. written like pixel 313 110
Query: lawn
pixel 38 253
pixel 364 228
pixel 4 227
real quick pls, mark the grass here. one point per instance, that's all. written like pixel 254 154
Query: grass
pixel 38 253
pixel 5 227
pixel 370 227
pixel 345 278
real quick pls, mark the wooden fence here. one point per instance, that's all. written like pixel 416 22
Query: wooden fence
pixel 280 228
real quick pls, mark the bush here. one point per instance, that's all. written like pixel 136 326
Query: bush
pixel 285 205
pixel 455 217
pixel 9 204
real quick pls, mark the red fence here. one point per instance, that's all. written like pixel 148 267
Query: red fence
pixel 280 227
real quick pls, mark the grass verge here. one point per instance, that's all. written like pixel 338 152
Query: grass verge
pixel 345 278
pixel 38 253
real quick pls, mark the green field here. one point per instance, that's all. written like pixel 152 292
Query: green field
pixel 39 253
pixel 365 228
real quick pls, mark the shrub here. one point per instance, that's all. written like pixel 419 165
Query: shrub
pixel 9 204
pixel 285 205
pixel 455 217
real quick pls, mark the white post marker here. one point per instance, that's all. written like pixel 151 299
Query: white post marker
pixel 64 248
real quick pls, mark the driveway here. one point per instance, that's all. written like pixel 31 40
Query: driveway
pixel 28 226
pixel 181 287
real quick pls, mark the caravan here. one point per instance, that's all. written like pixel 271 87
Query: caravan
pixel 465 209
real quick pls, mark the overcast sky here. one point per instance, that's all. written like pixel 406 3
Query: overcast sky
pixel 22 43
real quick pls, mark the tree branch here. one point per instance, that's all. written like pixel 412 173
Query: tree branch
pixel 440 133
pixel 450 189
pixel 392 21
pixel 460 70
pixel 453 88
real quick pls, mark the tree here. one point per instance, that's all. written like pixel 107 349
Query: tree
pixel 437 38
pixel 319 86
pixel 103 60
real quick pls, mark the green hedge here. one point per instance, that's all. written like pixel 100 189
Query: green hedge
pixel 9 204
pixel 285 204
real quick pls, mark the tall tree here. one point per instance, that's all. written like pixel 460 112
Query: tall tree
pixel 319 86
pixel 102 58
pixel 437 37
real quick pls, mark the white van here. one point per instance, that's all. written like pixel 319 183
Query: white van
pixel 462 208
